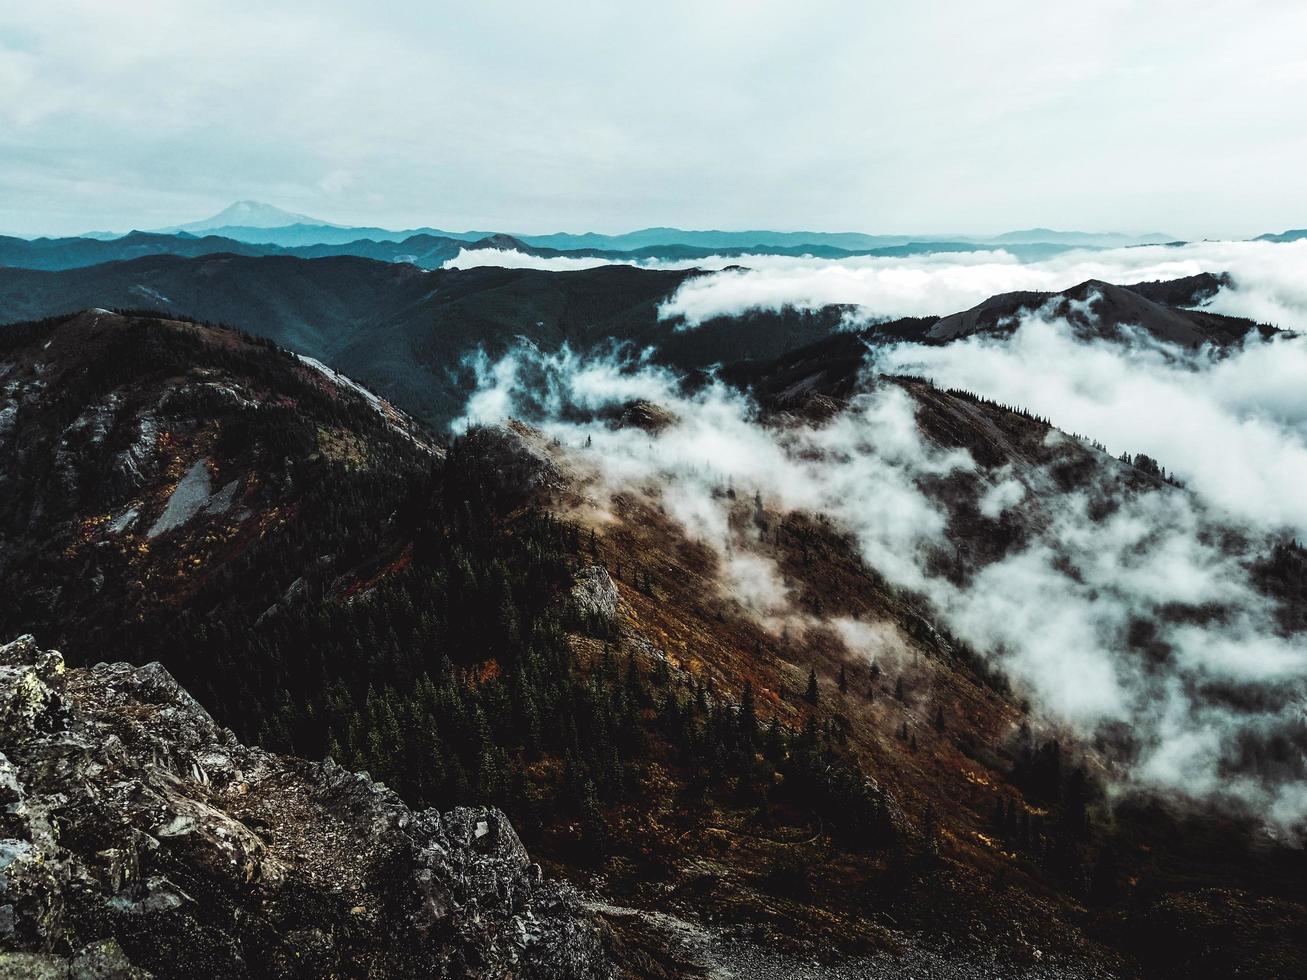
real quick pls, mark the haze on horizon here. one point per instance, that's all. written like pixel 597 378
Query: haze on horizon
pixel 1188 118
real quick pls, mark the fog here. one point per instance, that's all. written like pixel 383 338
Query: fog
pixel 1218 690
pixel 1269 279
pixel 1231 424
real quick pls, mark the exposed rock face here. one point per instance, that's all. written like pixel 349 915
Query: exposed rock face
pixel 594 592
pixel 522 467
pixel 138 837
pixel 652 418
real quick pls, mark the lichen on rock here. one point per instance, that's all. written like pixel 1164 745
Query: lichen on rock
pixel 594 592
pixel 140 838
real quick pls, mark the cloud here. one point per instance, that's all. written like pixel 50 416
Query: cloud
pixel 538 121
pixel 1270 280
pixel 508 258
pixel 1121 609
pixel 338 181
pixel 1231 424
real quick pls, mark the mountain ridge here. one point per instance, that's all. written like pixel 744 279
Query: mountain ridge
pixel 405 332
pixel 254 222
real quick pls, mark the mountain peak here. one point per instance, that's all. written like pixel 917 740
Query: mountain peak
pixel 250 214
pixel 501 241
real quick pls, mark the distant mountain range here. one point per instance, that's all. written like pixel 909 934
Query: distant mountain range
pixel 430 248
pixel 427 250
pixel 1078 238
pixel 1293 235
pixel 254 228
pixel 254 222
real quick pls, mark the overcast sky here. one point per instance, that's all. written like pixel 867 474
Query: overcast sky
pixel 1183 117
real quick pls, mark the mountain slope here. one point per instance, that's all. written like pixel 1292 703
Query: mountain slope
pixel 404 331
pixel 70 253
pixel 495 623
pixel 1102 309
pixel 159 450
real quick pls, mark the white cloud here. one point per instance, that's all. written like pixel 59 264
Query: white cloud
pixel 1270 280
pixel 1004 494
pixel 1231 424
pixel 1061 612
pixel 538 118
pixel 507 258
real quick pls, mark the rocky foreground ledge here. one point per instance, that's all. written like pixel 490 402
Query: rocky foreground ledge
pixel 139 838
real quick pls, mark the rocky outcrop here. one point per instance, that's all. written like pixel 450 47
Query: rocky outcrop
pixel 641 414
pixel 139 838
pixel 512 450
pixel 594 592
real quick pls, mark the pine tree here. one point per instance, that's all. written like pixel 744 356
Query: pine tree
pixel 748 715
pixel 930 829
pixel 812 693
pixel 594 829
pixel 844 680
pixel 775 742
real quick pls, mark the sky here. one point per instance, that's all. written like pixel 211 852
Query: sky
pixel 1188 118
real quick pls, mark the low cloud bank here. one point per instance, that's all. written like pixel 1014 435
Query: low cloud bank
pixel 1231 424
pixel 1124 610
pixel 509 258
pixel 1269 279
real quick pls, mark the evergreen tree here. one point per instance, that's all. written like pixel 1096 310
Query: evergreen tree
pixel 748 715
pixel 775 746
pixel 594 828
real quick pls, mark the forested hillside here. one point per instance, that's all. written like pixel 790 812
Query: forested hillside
pixel 328 579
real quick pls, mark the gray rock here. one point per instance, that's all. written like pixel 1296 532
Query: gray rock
pixel 187 499
pixel 519 465
pixel 136 463
pixel 138 833
pixel 594 592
